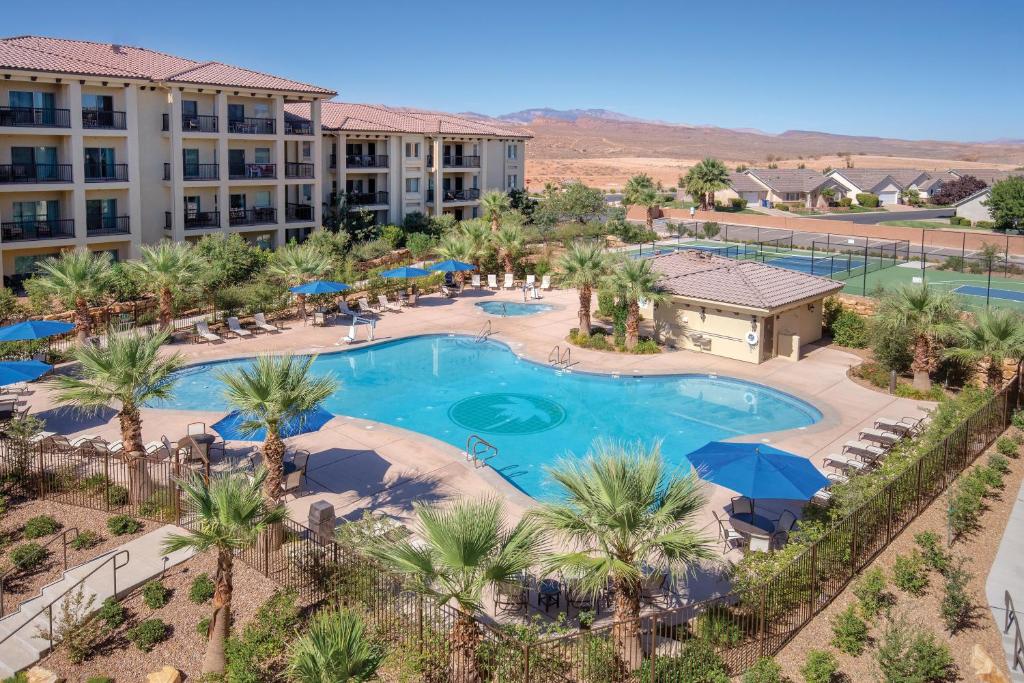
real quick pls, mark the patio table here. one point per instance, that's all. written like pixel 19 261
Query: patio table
pixel 549 592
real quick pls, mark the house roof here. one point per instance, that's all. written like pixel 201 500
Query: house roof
pixel 989 176
pixel 789 179
pixel 702 275
pixel 933 179
pixel 60 55
pixel 871 179
pixel 376 118
pixel 741 182
pixel 980 193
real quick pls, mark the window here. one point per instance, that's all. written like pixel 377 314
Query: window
pixel 307 193
pixel 189 109
pixel 262 155
pixel 512 150
pixel 190 162
pixel 412 150
pixel 412 184
pixel 476 182
pixel 238 201
pixel 307 150
pixel 512 182
pixel 192 204
pixel 236 162
pixel 261 110
pixel 476 212
pixel 791 197
pixel 236 112
pixel 354 149
pixel 100 214
pixel 30 212
pixel 26 265
pixel 100 162
pixel 97 102
pixel 262 199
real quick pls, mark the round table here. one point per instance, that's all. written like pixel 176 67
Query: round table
pixel 757 528
pixel 197 444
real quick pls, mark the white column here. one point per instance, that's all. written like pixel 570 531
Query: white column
pixel 131 99
pixel 483 170
pixel 396 198
pixel 319 169
pixel 341 167
pixel 438 175
pixel 177 184
pixel 77 162
pixel 279 160
pixel 224 186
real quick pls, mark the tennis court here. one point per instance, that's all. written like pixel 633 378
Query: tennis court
pixel 974 290
pixel 827 266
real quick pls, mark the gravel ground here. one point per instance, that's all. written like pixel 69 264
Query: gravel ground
pixel 980 547
pixel 184 649
pixel 22 586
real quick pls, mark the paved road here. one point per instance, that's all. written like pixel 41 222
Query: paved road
pixel 878 217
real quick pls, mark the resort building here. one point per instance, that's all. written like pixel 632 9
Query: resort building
pixel 392 161
pixel 110 146
pixel 744 310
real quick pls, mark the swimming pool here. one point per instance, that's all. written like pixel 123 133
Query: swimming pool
pixel 511 308
pixel 449 387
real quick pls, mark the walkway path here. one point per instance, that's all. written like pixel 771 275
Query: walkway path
pixel 1007 574
pixel 20 643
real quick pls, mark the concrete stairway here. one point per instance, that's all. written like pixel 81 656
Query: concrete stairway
pixel 137 562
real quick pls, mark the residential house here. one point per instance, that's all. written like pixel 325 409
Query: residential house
pixel 742 186
pixel 989 176
pixel 887 184
pixel 973 207
pixel 801 186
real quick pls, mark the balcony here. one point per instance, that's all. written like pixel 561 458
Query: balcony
pixel 195 220
pixel 298 213
pixel 365 198
pixel 30 117
pixel 40 229
pixel 469 195
pixel 298 128
pixel 257 216
pixel 99 118
pixel 295 169
pixel 252 171
pixel 106 173
pixel 249 126
pixel 460 161
pixel 334 161
pixel 107 225
pixel 35 173
pixel 366 161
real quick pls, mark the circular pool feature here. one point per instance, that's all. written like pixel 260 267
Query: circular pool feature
pixel 511 308
pixel 507 414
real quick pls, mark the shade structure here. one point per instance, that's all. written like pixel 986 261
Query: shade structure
pixel 12 371
pixel 451 266
pixel 320 287
pixel 33 329
pixel 404 272
pixel 230 426
pixel 757 471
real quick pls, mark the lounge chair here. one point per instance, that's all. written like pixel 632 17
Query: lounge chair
pixel 545 283
pixel 531 281
pixel 40 437
pixel 509 281
pixel 907 426
pixel 203 330
pixel 236 328
pixel 343 309
pixel 492 281
pixel 83 440
pixel 154 447
pixel 475 280
pixel 115 447
pixel 446 291
pixel 18 389
pixel 880 436
pixel 403 299
pixel 844 463
pixel 262 324
pixel 364 305
pixel 729 537
pixel 864 450
pixel 385 305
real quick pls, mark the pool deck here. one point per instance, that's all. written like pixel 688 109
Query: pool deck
pixel 360 465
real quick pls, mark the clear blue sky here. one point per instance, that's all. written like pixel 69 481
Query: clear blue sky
pixel 942 69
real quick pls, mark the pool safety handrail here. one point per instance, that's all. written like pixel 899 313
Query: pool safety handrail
pixel 1017 656
pixel 555 356
pixel 477 450
pixel 485 332
pixel 559 359
pixel 504 310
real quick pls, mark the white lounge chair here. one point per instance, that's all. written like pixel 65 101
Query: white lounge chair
pixel 545 283
pixel 40 437
pixel 235 328
pixel 908 426
pixel 261 323
pixel 509 281
pixel 82 440
pixel 864 449
pixel 114 448
pixel 492 281
pixel 880 436
pixel 154 447
pixel 476 280
pixel 345 310
pixel 844 464
pixel 385 305
pixel 531 281
pixel 203 330
pixel 364 305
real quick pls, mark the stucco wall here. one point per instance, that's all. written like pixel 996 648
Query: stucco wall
pixel 677 322
pixel 974 210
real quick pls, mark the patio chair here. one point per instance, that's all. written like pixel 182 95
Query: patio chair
pixel 865 450
pixel 385 305
pixel 509 281
pixel 236 328
pixel 652 587
pixel 784 524
pixel 760 543
pixel 907 426
pixel 446 291
pixel 549 592
pixel 403 299
pixel 475 280
pixel 741 505
pixel 729 537
pixel 295 476
pixel 844 463
pixel 262 324
pixel 531 281
pixel 880 436
pixel 492 281
pixel 195 428
pixel 343 309
pixel 576 597
pixel 18 389
pixel 364 305
pixel 154 448
pixel 40 437
pixel 511 598
pixel 83 440
pixel 203 330
pixel 545 283
pixel 114 448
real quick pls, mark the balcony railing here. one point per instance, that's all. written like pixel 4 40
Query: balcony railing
pixel 201 171
pixel 35 173
pixel 243 171
pixel 298 212
pixel 38 229
pixel 99 118
pixel 366 160
pixel 248 126
pixel 30 117
pixel 106 173
pixel 298 128
pixel 257 216
pixel 195 220
pixel 460 161
pixel 192 123
pixel 364 198
pixel 468 195
pixel 297 169
pixel 107 225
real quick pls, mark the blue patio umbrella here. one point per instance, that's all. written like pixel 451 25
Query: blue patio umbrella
pixel 451 266
pixel 230 426
pixel 320 287
pixel 404 272
pixel 757 470
pixel 13 371
pixel 33 329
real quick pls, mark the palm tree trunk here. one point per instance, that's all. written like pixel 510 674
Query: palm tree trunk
pixel 131 437
pixel 465 638
pixel 632 325
pixel 300 301
pixel 220 623
pixel 273 460
pixel 626 631
pixel 650 218
pixel 921 363
pixel 166 308
pixel 995 373
pixel 83 321
pixel 495 224
pixel 585 311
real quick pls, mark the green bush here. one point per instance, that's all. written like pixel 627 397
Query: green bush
pixel 99 679
pixel 985 225
pixel 393 235
pixel 1018 419
pixel 28 556
pixel 1007 447
pixel 738 203
pixel 120 525
pixel 148 633
pixel 956 605
pixel 203 627
pixel 718 627
pixel 908 655
pixel 112 613
pixel 697 662
pixel 202 589
pixel 262 640
pixel 43 525
pixel 155 594
pixel 870 592
pixel 820 667
pixel 850 329
pixel 85 540
pixel 117 495
pixel 765 670
pixel 845 202
pixel 646 346
pixel 910 574
pixel 711 228
pixel 849 632
pixel 782 207
pixel 868 200
pixel 419 244
pixel 998 463
pixel 932 551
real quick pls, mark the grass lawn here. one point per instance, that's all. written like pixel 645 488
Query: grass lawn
pixel 928 225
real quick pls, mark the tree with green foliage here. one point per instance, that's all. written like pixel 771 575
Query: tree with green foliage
pixel 1006 202
pixel 332 244
pixel 227 260
pixel 477 234
pixel 996 336
pixel 458 248
pixel 640 191
pixel 495 205
pixel 75 279
pixel 334 648
pixel 230 514
pixel 509 242
pixel 704 179
pixel 573 201
pixel 633 281
pixel 583 267
pixel 165 269
pixel 296 265
pixel 926 315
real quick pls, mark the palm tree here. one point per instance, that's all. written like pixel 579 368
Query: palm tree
pixel 495 204
pixel 478 236
pixel 509 241
pixel 334 649
pixel 230 516
pixel 296 264
pixel 926 316
pixel 640 191
pixel 622 511
pixel 457 248
pixel 632 281
pixel 704 179
pixel 998 335
pixel 74 279
pixel 468 547
pixel 269 393
pixel 583 266
pixel 129 373
pixel 165 268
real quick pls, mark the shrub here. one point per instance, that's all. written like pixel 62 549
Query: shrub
pixel 738 203
pixel 85 540
pixel 910 574
pixel 765 670
pixel 155 594
pixel 1018 419
pixel 40 526
pixel 419 244
pixel 870 592
pixel 966 502
pixel 999 463
pixel 782 207
pixel 849 632
pixel 646 346
pixel 120 525
pixel 711 228
pixel 202 589
pixel 148 633
pixel 203 627
pixel 932 552
pixel 821 667
pixel 697 662
pixel 73 629
pixel 956 605
pixel 850 329
pixel 393 235
pixel 99 679
pixel 28 556
pixel 367 251
pixel 985 225
pixel 912 656
pixel 262 640
pixel 845 202
pixel 718 627
pixel 117 495
pixel 112 613
pixel 866 199
pixel 1007 447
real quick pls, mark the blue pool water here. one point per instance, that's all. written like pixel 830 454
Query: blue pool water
pixel 449 387
pixel 511 308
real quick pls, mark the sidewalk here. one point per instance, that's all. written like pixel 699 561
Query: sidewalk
pixel 1007 575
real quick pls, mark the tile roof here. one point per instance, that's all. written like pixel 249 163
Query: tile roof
pixel 870 179
pixel 741 182
pixel 701 275
pixel 59 55
pixel 379 118
pixel 789 179
pixel 933 179
pixel 989 176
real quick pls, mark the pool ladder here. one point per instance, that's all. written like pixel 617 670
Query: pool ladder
pixel 559 359
pixel 478 451
pixel 484 333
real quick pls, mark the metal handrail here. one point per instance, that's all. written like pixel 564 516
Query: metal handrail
pixel 476 446
pixel 566 359
pixel 49 607
pixel 1018 641
pixel 555 356
pixel 14 570
pixel 485 332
